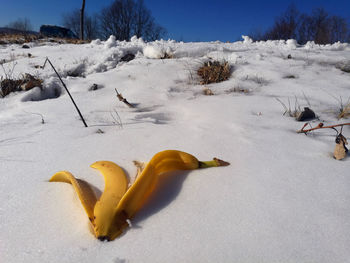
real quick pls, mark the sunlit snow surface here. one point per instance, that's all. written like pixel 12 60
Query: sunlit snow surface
pixel 282 199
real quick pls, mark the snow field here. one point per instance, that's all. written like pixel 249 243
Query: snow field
pixel 282 199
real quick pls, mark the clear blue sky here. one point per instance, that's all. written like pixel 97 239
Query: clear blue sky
pixel 197 20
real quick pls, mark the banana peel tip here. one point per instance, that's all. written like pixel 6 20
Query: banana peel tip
pixel 220 162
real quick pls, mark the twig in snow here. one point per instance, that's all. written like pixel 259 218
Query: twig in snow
pixel 119 121
pixel 307 100
pixel 321 126
pixel 9 72
pixel 42 117
pixel 122 99
pixel 65 87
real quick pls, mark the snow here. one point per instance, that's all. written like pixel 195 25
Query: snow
pixel 157 50
pixel 153 51
pixel 247 40
pixel 282 199
pixel 111 42
pixel 291 43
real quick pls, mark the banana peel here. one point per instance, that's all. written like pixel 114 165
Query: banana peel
pixel 118 204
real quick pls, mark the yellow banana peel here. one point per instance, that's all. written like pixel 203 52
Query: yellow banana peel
pixel 117 205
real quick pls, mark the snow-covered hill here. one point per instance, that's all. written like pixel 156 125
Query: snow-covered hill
pixel 283 198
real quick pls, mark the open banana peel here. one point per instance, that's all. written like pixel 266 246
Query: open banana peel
pixel 110 214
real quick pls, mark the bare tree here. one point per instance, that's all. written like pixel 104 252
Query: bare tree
pixel 305 29
pixel 145 25
pixel 338 29
pixel 125 18
pixel 142 19
pixel 72 21
pixel 257 34
pixel 319 27
pixel 285 26
pixel 82 20
pixel 154 32
pixel 322 28
pixel 22 24
pixel 91 27
pixel 117 19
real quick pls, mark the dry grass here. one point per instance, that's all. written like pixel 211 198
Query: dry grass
pixel 68 41
pixel 25 38
pixel 288 110
pixel 18 38
pixel 344 66
pixel 27 82
pixel 238 90
pixel 214 72
pixel 343 108
pixel 9 85
pixel 345 112
pixel 257 79
pixel 208 92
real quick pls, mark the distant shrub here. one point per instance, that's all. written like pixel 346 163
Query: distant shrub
pixel 214 72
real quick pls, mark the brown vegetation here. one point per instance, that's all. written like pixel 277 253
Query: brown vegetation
pixel 27 82
pixel 345 112
pixel 208 92
pixel 18 38
pixel 214 72
pixel 26 38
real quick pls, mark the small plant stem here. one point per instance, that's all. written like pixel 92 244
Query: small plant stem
pixel 122 99
pixel 320 126
pixel 64 85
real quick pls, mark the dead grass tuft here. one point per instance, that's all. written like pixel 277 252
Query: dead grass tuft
pixel 345 112
pixel 214 72
pixel 27 82
pixel 208 92
pixel 344 66
pixel 20 39
pixel 8 86
pixel 238 90
pixel 167 56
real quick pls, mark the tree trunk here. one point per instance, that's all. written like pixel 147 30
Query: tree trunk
pixel 82 20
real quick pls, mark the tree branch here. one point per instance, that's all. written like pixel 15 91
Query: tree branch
pixel 321 126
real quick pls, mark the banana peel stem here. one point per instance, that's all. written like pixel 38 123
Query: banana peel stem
pixel 213 163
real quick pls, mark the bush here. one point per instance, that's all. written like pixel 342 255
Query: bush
pixel 27 82
pixel 8 86
pixel 214 72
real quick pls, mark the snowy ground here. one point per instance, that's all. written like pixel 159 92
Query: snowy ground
pixel 282 199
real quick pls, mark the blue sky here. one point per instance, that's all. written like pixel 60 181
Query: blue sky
pixel 196 20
